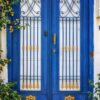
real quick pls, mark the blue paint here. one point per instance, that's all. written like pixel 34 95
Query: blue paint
pixel 91 41
pixel 81 41
pixel 50 60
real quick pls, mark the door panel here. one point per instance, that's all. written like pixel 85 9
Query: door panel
pixel 28 50
pixel 70 61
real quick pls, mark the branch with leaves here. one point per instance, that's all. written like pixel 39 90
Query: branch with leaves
pixel 6 21
pixel 7 14
pixel 3 62
pixel 6 89
pixel 96 94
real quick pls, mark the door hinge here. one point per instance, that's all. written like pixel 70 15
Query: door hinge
pixel 92 54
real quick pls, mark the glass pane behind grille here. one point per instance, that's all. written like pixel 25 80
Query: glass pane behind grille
pixel 30 45
pixel 69 60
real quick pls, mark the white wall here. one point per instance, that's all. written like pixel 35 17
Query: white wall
pixel 3 47
pixel 96 44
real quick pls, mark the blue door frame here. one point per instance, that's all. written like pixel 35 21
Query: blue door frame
pixel 50 60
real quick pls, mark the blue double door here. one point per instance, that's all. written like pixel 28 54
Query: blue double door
pixel 52 58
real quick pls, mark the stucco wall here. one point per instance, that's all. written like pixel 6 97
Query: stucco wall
pixel 4 54
pixel 96 47
pixel 96 43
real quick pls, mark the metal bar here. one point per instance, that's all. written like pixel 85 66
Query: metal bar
pixel 31 17
pixel 73 50
pixel 23 55
pixel 78 77
pixel 66 54
pixel 69 17
pixel 37 53
pixel 27 53
pixel 30 53
pixel 76 53
pixel 33 53
pixel 69 56
pixel 62 53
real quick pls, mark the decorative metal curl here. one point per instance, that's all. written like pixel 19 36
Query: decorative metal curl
pixel 69 8
pixel 31 8
pixel 70 98
pixel 30 97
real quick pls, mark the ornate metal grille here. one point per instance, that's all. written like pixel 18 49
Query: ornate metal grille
pixel 69 60
pixel 69 8
pixel 30 46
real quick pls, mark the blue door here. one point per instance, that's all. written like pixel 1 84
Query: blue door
pixel 52 57
pixel 72 51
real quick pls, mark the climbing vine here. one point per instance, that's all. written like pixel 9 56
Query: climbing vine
pixel 6 22
pixel 7 13
pixel 96 93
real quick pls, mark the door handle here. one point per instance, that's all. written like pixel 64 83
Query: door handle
pixel 54 39
pixel 54 42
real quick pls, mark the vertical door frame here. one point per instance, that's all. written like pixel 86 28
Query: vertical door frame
pixel 87 57
pixel 13 40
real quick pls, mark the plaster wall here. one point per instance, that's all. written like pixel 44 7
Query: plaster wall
pixel 96 43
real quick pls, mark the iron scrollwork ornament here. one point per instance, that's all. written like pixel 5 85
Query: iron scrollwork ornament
pixel 31 8
pixel 69 8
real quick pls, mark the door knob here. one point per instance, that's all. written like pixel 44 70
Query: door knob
pixel 45 34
